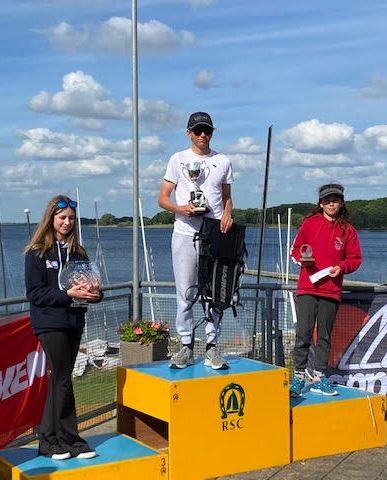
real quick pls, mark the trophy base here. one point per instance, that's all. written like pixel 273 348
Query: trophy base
pixel 200 210
pixel 307 260
pixel 79 304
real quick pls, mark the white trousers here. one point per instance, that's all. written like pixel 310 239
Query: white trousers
pixel 185 261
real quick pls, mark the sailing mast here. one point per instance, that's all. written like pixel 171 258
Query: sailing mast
pixel 79 218
pixel 261 240
pixel 146 260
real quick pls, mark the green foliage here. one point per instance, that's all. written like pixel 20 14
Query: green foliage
pixel 163 218
pixel 107 219
pixel 364 214
pixel 143 331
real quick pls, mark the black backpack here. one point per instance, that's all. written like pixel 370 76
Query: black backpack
pixel 221 264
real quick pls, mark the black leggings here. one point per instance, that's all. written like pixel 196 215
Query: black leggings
pixel 59 420
pixel 312 310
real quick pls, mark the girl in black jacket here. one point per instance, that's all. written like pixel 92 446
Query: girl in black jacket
pixel 58 323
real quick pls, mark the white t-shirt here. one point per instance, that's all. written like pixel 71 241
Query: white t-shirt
pixel 216 171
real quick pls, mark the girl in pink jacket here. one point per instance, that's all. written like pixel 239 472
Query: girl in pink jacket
pixel 326 247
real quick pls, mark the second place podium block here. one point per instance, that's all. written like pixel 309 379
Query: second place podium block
pixel 211 422
pixel 325 425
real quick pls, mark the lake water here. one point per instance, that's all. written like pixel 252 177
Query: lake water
pixel 117 249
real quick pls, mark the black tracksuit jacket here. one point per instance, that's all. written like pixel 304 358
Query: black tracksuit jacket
pixel 50 306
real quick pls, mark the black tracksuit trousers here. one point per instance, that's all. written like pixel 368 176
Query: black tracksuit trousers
pixel 311 310
pixel 59 421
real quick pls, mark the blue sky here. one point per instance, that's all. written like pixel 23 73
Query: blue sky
pixel 316 70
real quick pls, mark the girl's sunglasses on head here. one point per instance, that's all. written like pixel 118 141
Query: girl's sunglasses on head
pixel 65 204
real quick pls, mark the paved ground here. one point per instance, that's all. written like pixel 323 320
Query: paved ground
pixel 361 465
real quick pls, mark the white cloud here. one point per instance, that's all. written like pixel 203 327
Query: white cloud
pixel 313 136
pixel 377 89
pixel 21 178
pixel 84 98
pixel 113 36
pixel 65 37
pixel 245 145
pixel 357 175
pixel 291 157
pixel 204 79
pixel 42 143
pixel 150 178
pixel 376 137
pixel 244 162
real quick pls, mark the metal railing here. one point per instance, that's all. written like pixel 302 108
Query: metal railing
pixel 268 336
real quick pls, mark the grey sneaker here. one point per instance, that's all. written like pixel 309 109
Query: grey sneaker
pixel 213 359
pixel 183 358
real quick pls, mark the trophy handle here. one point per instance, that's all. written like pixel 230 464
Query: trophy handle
pixel 206 171
pixel 184 171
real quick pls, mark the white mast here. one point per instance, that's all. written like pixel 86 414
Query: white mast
pixel 148 277
pixel 79 218
pixel 280 247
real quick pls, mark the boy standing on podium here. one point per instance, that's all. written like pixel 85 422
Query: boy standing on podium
pixel 214 178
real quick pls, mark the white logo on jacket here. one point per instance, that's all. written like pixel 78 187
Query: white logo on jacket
pixel 52 264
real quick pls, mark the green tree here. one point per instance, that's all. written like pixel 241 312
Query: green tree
pixel 107 219
pixel 163 218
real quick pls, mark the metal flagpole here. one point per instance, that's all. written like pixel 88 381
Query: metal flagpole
pixel 260 251
pixel 135 259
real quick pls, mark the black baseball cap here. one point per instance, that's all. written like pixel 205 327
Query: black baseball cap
pixel 331 189
pixel 199 118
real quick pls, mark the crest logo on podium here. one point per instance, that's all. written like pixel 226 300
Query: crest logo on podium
pixel 232 403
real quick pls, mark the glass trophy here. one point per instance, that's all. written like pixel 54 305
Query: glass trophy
pixel 306 253
pixel 76 272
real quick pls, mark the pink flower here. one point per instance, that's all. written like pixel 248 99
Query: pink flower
pixel 138 331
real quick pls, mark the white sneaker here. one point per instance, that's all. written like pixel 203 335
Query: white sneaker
pixel 86 455
pixel 182 359
pixel 213 359
pixel 61 456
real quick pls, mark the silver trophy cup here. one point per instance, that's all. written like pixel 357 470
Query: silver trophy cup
pixel 76 272
pixel 193 171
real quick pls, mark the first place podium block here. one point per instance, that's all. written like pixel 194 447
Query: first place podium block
pixel 328 425
pixel 118 457
pixel 213 422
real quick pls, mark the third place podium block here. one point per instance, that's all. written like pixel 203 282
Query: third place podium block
pixel 212 422
pixel 325 425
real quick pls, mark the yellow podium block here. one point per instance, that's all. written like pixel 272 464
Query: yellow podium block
pixel 324 425
pixel 212 422
pixel 118 457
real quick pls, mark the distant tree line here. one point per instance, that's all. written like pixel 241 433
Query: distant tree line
pixel 364 214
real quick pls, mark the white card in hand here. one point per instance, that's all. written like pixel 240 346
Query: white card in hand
pixel 320 274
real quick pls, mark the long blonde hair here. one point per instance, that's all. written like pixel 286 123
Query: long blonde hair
pixel 43 239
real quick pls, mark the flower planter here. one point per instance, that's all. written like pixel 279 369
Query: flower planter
pixel 134 352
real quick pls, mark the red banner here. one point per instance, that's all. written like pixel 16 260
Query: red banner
pixel 23 379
